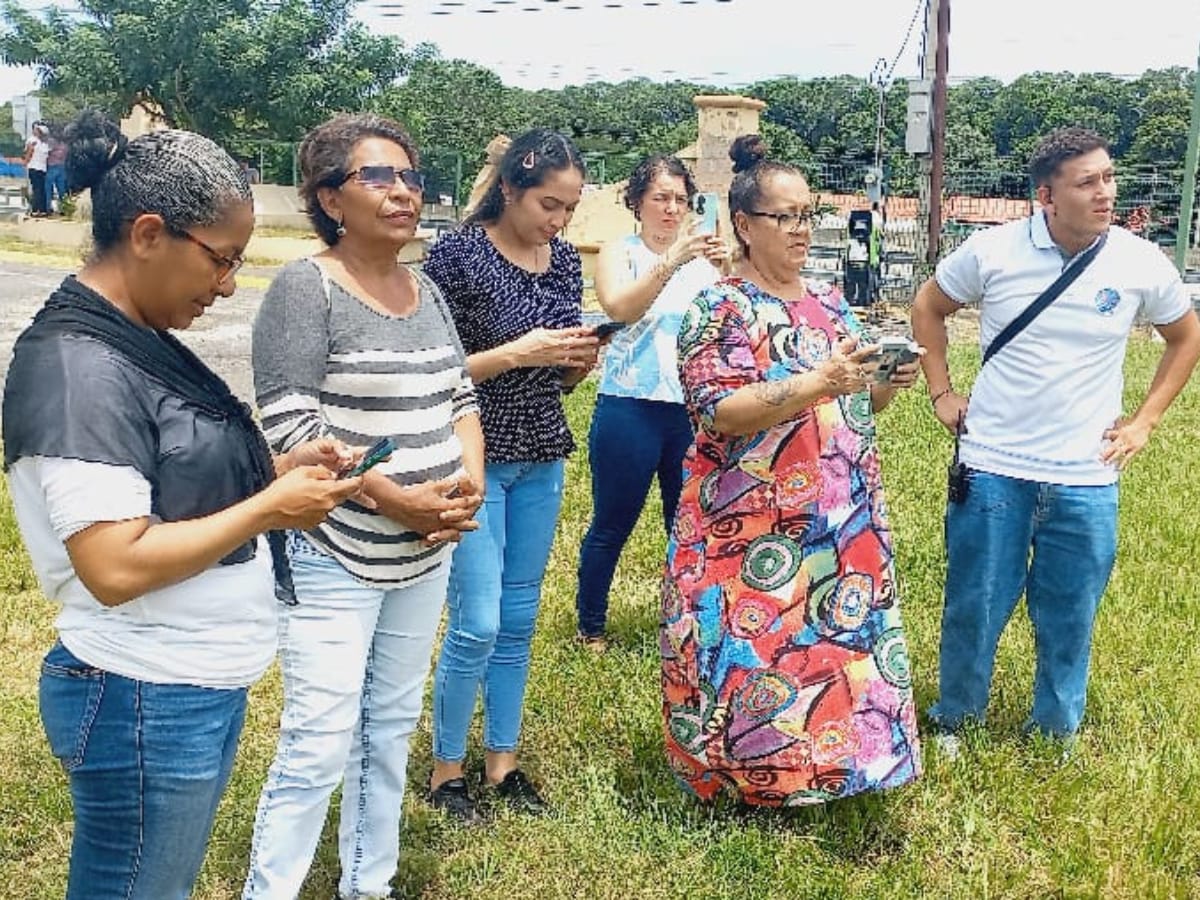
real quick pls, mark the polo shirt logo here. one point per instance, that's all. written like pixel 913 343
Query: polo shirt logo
pixel 1107 300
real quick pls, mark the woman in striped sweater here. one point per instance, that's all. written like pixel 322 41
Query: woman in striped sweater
pixel 352 344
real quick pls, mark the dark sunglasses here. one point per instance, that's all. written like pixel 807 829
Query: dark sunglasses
pixel 227 266
pixel 381 178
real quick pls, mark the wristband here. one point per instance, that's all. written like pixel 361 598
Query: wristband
pixel 938 396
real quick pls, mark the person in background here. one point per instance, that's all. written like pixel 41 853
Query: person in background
pixel 37 151
pixel 515 289
pixel 141 487
pixel 785 676
pixel 353 344
pixel 252 174
pixel 1044 438
pixel 640 427
pixel 56 172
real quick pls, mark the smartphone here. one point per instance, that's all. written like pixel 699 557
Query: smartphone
pixel 377 453
pixel 893 352
pixel 706 206
pixel 605 330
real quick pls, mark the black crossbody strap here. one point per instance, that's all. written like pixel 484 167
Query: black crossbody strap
pixel 1048 296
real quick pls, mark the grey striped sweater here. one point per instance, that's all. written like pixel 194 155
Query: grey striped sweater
pixel 325 363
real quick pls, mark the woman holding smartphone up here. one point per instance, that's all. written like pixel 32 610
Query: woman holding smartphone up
pixel 354 344
pixel 515 289
pixel 640 427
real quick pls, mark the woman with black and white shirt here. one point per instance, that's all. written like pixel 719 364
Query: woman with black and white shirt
pixel 515 290
pixel 351 343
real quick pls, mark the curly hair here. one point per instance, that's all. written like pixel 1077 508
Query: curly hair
pixel 646 171
pixel 183 177
pixel 1059 146
pixel 325 158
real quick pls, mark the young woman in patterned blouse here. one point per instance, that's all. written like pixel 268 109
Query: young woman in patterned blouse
pixel 515 291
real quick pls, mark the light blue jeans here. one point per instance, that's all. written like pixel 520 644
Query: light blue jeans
pixel 147 765
pixel 354 661
pixel 495 591
pixel 1055 543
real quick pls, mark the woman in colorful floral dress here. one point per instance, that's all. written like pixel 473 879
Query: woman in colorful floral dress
pixel 785 671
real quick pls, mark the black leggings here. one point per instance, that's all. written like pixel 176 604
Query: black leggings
pixel 37 184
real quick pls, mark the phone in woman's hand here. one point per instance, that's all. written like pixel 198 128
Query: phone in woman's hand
pixel 376 453
pixel 605 330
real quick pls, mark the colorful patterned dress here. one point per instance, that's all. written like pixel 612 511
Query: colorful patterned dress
pixel 785 670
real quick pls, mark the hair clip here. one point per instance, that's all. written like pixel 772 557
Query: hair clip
pixel 529 161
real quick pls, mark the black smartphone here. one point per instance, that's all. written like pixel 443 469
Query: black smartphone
pixel 893 352
pixel 376 453
pixel 605 330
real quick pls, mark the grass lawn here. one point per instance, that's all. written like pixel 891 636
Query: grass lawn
pixel 1007 819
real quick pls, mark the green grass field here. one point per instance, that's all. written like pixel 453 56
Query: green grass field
pixel 1007 819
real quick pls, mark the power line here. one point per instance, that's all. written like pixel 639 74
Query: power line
pixel 921 4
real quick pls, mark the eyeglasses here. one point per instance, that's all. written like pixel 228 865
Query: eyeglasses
pixel 227 266
pixel 381 178
pixel 787 221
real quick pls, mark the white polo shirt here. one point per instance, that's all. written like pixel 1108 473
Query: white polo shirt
pixel 1040 407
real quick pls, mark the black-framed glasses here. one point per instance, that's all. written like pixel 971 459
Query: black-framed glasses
pixel 227 266
pixel 787 221
pixel 381 178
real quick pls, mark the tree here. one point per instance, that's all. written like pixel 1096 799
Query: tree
pixel 11 143
pixel 452 108
pixel 227 68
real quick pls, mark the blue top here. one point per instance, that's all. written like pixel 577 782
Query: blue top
pixel 494 302
pixel 641 362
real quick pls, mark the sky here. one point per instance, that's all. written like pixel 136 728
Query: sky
pixel 547 43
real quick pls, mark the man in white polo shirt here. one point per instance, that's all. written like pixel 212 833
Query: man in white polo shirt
pixel 1044 437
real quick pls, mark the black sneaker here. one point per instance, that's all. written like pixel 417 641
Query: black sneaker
pixel 519 793
pixel 453 798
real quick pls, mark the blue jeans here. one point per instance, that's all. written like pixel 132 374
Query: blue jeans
pixel 630 442
pixel 1055 543
pixel 354 659
pixel 495 591
pixel 147 765
pixel 56 182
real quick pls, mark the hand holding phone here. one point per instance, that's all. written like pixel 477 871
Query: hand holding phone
pixel 605 330
pixel 376 453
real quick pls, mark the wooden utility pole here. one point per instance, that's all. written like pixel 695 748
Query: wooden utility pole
pixel 938 120
pixel 932 99
pixel 1183 231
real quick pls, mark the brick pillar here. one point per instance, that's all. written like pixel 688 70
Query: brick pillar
pixel 722 118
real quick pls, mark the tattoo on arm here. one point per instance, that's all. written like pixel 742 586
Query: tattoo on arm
pixel 772 393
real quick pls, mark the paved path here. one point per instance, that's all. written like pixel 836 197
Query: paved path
pixel 221 337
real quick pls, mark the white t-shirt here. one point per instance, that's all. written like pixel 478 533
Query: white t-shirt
pixel 1040 407
pixel 215 629
pixel 41 154
pixel 641 361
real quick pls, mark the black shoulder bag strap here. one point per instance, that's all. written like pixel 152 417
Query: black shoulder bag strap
pixel 959 484
pixel 1048 296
